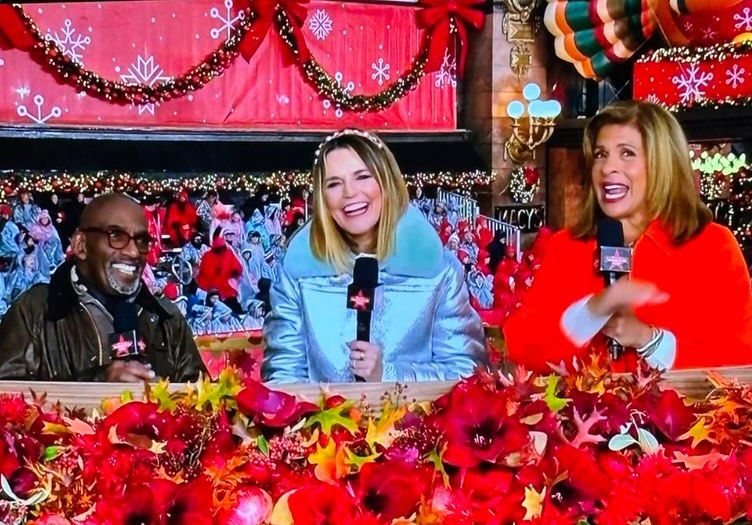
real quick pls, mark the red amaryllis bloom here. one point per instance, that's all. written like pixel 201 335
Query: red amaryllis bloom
pixel 490 494
pixel 271 408
pixel 161 502
pixel 390 490
pixel 669 413
pixel 140 505
pixel 477 428
pixel 322 504
pixel 140 419
pixel 253 506
pixel 584 486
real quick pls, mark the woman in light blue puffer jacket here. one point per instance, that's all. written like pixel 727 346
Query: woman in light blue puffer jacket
pixel 423 327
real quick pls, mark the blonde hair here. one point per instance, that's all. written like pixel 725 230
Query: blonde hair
pixel 671 194
pixel 329 242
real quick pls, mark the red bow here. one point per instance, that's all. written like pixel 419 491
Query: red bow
pixel 13 34
pixel 265 12
pixel 437 17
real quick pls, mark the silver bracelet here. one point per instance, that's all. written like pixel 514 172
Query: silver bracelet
pixel 648 348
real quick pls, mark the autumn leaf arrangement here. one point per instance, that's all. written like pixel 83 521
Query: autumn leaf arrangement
pixel 578 447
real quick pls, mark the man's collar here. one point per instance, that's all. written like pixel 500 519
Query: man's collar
pixel 62 296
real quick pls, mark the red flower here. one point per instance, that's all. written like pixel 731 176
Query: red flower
pixel 585 484
pixel 477 427
pixel 322 504
pixel 671 415
pixel 390 490
pixel 491 495
pixel 161 502
pixel 13 409
pixel 138 419
pixel 271 408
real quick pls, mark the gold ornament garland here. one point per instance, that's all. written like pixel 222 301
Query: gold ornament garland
pixel 49 54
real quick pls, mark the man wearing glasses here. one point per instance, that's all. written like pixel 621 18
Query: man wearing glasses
pixel 96 321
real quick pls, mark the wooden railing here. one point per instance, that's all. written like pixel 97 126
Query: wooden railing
pixel 692 383
pixel 468 209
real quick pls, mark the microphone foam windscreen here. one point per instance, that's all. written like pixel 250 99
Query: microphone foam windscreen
pixel 125 317
pixel 366 272
pixel 610 232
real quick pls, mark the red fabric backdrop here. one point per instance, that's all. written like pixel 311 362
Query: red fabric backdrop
pixel 364 45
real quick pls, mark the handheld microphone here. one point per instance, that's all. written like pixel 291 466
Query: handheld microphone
pixel 615 261
pixel 360 296
pixel 124 343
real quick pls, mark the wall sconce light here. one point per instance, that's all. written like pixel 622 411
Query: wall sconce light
pixel 530 132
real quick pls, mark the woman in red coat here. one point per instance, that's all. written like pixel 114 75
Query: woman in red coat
pixel 687 302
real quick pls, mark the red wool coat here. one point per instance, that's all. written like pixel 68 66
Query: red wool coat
pixel 709 309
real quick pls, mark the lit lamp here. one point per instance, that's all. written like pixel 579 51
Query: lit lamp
pixel 540 123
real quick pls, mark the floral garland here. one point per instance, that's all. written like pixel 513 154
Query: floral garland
pixel 444 22
pixel 524 184
pixel 49 54
pixel 587 447
pixel 282 182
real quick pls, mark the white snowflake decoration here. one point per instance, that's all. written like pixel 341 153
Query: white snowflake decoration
pixel 145 71
pixel 653 99
pixel 745 19
pixel 347 88
pixel 320 24
pixel 691 83
pixel 23 91
pixel 226 20
pixel 735 76
pixel 709 33
pixel 71 43
pixel 2 62
pixel 380 71
pixel 23 111
pixel 447 73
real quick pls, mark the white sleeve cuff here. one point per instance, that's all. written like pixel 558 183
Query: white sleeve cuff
pixel 579 324
pixel 664 355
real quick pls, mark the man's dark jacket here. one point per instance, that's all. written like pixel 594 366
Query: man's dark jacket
pixel 48 335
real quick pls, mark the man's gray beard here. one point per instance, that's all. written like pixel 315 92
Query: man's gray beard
pixel 119 288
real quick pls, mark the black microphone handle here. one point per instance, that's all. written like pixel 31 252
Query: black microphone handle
pixel 615 349
pixel 363 327
pixel 363 333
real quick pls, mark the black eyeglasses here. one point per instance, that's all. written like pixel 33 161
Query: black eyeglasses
pixel 119 239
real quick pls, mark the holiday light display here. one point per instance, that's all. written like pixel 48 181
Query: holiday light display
pixel 281 182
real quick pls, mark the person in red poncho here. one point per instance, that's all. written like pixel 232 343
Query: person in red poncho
pixel 155 215
pixel 221 270
pixel 181 220
pixel 687 302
